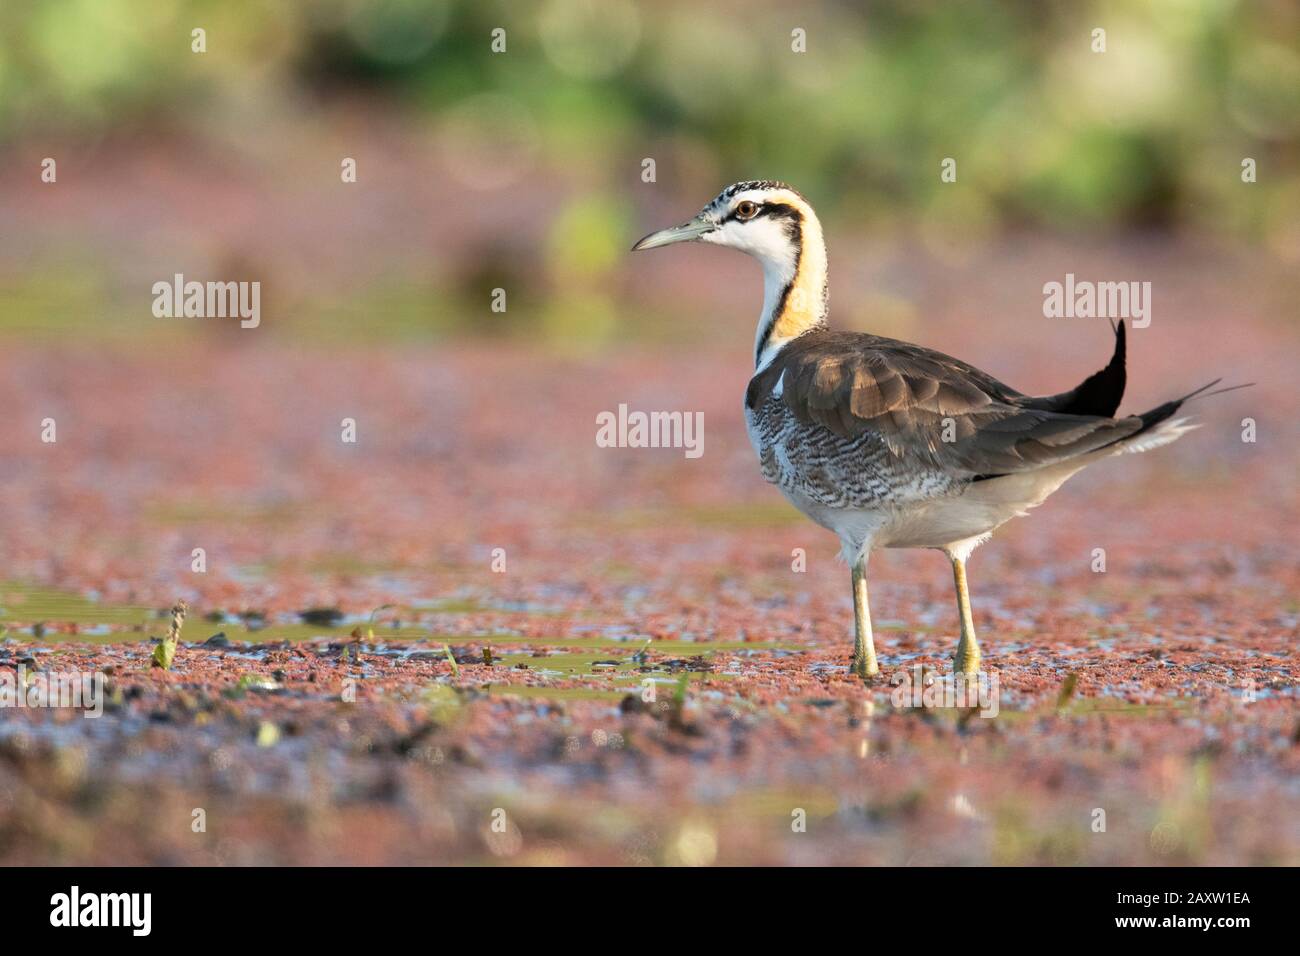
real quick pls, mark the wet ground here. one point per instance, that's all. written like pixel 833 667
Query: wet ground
pixel 474 636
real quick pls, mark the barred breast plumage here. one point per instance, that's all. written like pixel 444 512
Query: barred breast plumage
pixel 814 463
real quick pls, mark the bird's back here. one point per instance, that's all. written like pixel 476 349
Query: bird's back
pixel 852 420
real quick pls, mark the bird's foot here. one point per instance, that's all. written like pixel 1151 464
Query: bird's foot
pixel 863 666
pixel 966 660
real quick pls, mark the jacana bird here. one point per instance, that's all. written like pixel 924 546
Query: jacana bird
pixel 893 445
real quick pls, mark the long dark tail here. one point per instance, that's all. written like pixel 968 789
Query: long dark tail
pixel 1162 412
pixel 1159 427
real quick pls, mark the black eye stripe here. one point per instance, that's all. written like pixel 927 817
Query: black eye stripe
pixel 776 210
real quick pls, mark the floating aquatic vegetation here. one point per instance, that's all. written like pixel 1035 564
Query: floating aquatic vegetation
pixel 165 652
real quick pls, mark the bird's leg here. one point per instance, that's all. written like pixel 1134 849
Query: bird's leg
pixel 864 648
pixel 967 658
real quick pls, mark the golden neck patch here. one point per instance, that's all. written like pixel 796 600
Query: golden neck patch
pixel 797 304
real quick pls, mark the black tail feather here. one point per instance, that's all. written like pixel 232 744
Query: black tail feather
pixel 1100 393
pixel 1161 412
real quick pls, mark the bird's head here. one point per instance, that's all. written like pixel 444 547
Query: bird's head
pixel 768 220
pixel 777 226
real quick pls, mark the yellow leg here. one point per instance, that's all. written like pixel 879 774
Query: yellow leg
pixel 967 658
pixel 864 648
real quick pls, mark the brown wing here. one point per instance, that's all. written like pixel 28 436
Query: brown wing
pixel 927 404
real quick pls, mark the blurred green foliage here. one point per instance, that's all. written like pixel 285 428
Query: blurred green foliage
pixel 1150 132
pixel 1047 132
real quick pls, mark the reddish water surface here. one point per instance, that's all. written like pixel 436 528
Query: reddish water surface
pixel 1178 743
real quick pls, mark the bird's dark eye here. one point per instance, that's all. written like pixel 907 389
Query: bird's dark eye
pixel 746 210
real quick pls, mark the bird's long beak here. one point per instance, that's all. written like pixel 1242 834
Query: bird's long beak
pixel 684 233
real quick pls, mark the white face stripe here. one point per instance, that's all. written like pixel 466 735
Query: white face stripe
pixel 763 237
